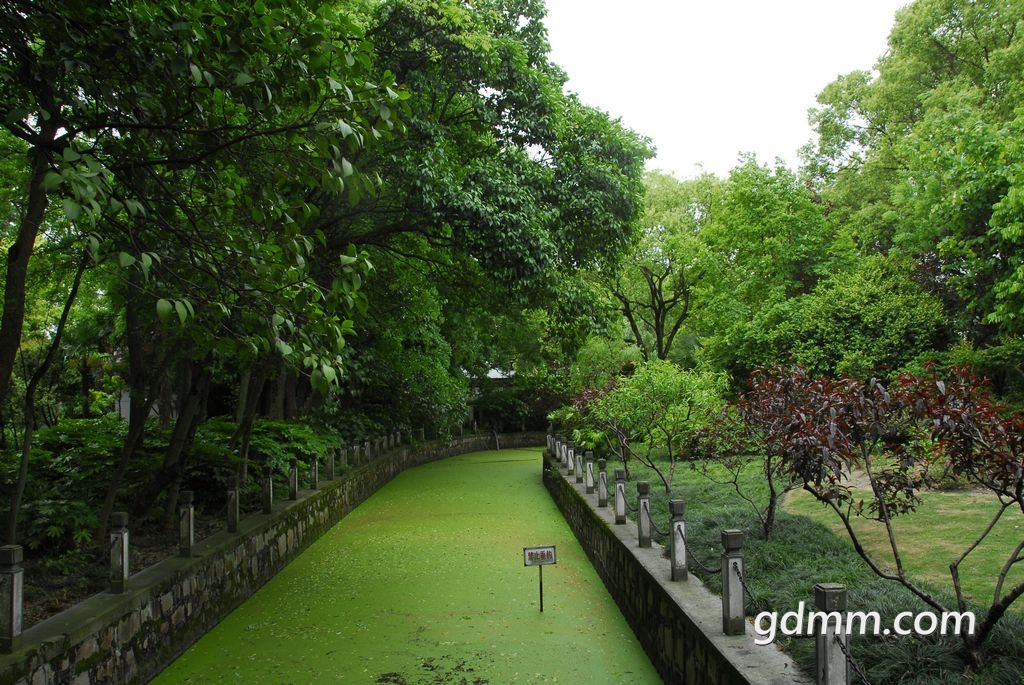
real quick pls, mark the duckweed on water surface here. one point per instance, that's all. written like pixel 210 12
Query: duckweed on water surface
pixel 424 584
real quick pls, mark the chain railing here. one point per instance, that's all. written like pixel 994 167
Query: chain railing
pixel 731 540
pixel 851 661
pixel 756 604
pixel 695 560
pixel 655 531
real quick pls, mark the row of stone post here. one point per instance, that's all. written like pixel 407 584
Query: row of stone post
pixel 11 556
pixel 832 666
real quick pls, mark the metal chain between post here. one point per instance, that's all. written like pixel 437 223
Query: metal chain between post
pixel 850 660
pixel 695 560
pixel 654 528
pixel 750 595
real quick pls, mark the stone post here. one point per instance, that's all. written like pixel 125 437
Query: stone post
pixel 398 438
pixel 314 471
pixel 268 489
pixel 588 462
pixel 233 505
pixel 366 451
pixel 570 462
pixel 832 667
pixel 293 479
pixel 677 546
pixel 602 483
pixel 423 435
pixel 733 621
pixel 643 523
pixel 118 551
pixel 355 455
pixel 186 523
pixel 620 495
pixel 12 582
pixel 565 455
pixel 579 466
pixel 342 456
pixel 549 450
pixel 330 463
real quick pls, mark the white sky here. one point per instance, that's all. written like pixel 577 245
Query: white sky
pixel 709 79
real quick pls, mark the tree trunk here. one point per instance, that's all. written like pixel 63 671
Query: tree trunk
pixel 86 386
pixel 249 393
pixel 988 623
pixel 291 398
pixel 11 532
pixel 185 426
pixel 165 403
pixel 192 412
pixel 18 255
pixel 277 407
pixel 773 503
pixel 141 400
pixel 243 398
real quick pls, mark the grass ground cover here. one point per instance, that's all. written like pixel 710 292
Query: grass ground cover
pixel 936 534
pixel 424 584
pixel 804 551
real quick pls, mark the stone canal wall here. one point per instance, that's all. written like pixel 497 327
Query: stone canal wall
pixel 130 637
pixel 679 623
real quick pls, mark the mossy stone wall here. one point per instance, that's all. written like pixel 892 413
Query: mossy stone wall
pixel 111 639
pixel 679 623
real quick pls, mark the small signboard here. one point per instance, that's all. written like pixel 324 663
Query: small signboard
pixel 539 556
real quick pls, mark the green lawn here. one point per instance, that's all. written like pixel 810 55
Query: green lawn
pixel 807 548
pixel 936 534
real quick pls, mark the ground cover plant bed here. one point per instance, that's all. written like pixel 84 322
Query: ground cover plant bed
pixel 67 476
pixel 55 584
pixel 803 551
pixel 934 534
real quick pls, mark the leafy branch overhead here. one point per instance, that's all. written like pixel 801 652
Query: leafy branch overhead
pixel 244 180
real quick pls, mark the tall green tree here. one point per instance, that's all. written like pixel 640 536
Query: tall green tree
pixel 655 414
pixel 505 191
pixel 871 319
pixel 770 243
pixel 161 129
pixel 122 106
pixel 659 283
pixel 498 163
pixel 924 157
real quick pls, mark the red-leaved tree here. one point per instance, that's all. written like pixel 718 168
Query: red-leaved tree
pixel 827 433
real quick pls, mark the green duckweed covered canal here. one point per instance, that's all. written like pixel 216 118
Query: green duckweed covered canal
pixel 424 584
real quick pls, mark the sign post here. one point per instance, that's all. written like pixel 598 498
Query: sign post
pixel 539 557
